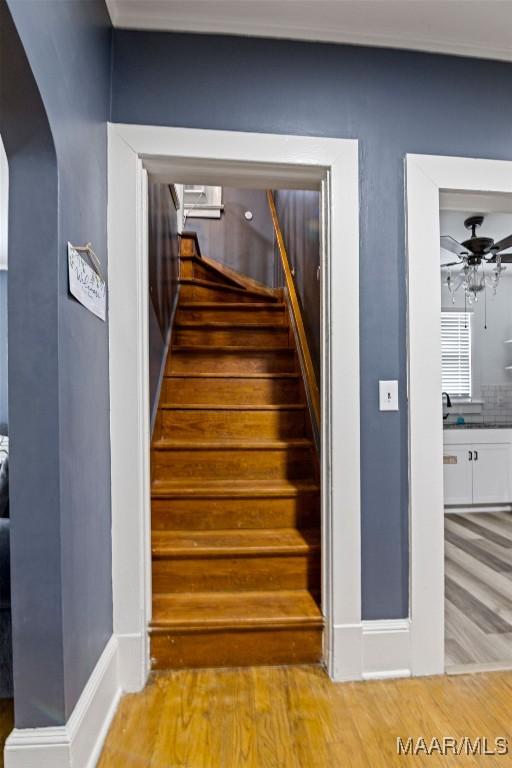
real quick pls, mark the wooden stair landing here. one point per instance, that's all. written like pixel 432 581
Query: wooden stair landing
pixel 235 482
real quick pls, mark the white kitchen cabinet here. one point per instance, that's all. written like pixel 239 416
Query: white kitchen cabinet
pixel 458 475
pixel 491 474
pixel 477 473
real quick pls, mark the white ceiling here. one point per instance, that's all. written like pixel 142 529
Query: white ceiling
pixel 480 28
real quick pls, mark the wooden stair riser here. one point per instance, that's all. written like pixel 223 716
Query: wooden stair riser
pixel 233 573
pixel 192 290
pixel 216 361
pixel 235 337
pixel 182 513
pixel 234 391
pixel 245 464
pixel 188 424
pixel 232 313
pixel 229 648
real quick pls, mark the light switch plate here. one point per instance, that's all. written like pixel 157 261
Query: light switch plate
pixel 388 395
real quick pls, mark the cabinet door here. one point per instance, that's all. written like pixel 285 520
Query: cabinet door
pixel 491 474
pixel 458 474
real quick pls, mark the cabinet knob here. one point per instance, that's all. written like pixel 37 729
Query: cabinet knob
pixel 470 455
pixel 476 455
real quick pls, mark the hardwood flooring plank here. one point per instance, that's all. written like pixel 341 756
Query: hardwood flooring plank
pixel 274 741
pixel 482 530
pixel 451 524
pixel 357 724
pixel 478 595
pixel 479 552
pixel 504 517
pixel 495 601
pixel 454 653
pixel 495 580
pixel 504 528
pixel 469 636
pixel 496 549
pixel 488 621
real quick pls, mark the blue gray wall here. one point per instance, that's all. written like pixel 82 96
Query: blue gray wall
pixel 394 102
pixel 55 96
pixel 163 273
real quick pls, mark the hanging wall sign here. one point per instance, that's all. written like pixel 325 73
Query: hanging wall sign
pixel 86 283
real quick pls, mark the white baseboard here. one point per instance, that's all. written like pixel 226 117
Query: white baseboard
pixel 386 649
pixel 372 650
pixel 133 655
pixel 475 508
pixel 346 652
pixel 78 743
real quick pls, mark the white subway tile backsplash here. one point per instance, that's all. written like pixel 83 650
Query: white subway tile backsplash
pixel 496 403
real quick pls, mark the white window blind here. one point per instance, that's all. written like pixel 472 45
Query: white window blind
pixel 456 353
pixel 202 202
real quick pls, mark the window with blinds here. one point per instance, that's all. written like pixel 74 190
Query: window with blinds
pixel 456 353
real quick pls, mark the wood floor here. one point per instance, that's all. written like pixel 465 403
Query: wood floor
pixel 478 589
pixel 6 724
pixel 295 717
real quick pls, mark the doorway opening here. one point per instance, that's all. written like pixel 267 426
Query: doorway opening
pixel 476 339
pixel 459 324
pixel 235 480
pixel 138 154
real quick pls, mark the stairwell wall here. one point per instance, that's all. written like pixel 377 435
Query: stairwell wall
pixel 245 246
pixel 163 272
pixel 299 217
pixel 393 102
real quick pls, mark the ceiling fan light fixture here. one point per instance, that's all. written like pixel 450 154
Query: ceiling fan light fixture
pixel 474 254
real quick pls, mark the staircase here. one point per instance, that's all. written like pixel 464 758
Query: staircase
pixel 235 489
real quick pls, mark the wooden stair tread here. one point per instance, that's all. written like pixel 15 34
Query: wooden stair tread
pixel 232 349
pixel 232 444
pixel 231 325
pixel 223 407
pixel 245 305
pixel 235 609
pixel 234 488
pixel 234 542
pixel 237 375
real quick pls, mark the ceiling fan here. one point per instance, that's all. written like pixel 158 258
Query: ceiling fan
pixel 473 254
pixel 475 249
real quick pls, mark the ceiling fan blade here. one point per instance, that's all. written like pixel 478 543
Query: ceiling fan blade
pixel 503 244
pixel 506 258
pixel 450 244
pixel 451 264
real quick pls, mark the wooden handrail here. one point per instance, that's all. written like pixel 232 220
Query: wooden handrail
pixel 303 346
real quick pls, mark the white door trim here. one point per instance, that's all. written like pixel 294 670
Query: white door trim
pixel 427 176
pixel 323 163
